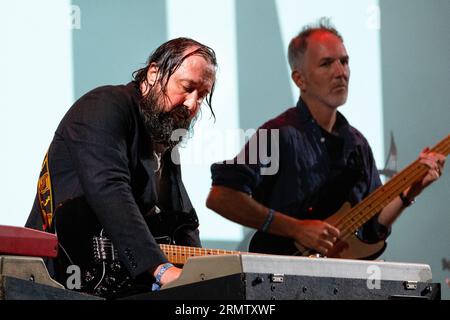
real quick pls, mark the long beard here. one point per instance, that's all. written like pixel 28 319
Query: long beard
pixel 160 125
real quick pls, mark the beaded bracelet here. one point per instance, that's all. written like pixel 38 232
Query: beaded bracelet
pixel 157 285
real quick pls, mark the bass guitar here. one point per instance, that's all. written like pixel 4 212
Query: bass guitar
pixel 349 219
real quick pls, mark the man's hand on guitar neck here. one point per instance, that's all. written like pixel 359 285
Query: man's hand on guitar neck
pixel 435 163
pixel 321 236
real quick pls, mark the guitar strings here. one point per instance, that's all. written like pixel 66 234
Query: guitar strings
pixel 185 248
pixel 414 171
pixel 372 202
pixel 350 224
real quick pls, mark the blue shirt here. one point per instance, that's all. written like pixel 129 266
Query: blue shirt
pixel 317 171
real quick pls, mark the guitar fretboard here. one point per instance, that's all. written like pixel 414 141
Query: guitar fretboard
pixel 377 200
pixel 179 254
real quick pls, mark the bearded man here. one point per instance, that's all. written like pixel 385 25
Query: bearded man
pixel 114 148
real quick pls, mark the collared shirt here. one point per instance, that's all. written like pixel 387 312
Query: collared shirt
pixel 317 171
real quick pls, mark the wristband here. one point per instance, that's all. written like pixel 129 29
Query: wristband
pixel 268 220
pixel 157 285
pixel 406 202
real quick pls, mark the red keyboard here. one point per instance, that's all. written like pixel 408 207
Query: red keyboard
pixel 27 242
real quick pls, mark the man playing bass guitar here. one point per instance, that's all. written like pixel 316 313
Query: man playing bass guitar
pixel 323 162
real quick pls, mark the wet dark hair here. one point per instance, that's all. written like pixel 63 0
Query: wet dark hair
pixel 299 44
pixel 168 58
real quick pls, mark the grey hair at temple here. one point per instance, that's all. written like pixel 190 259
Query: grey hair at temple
pixel 298 45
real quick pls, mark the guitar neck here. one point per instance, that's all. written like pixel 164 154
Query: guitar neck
pixel 179 254
pixel 376 201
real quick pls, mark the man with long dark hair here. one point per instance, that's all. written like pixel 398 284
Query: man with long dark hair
pixel 114 150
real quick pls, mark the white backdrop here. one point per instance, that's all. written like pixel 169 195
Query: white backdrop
pixel 36 86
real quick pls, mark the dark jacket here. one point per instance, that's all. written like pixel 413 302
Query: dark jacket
pixel 102 152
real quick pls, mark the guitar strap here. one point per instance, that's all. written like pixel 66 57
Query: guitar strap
pixel 45 195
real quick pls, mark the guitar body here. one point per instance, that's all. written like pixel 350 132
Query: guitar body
pixel 83 243
pixel 350 248
pixel 355 248
pixel 348 219
pixel 75 228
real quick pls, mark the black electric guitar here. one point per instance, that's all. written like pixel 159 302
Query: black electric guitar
pixel 349 219
pixel 83 243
